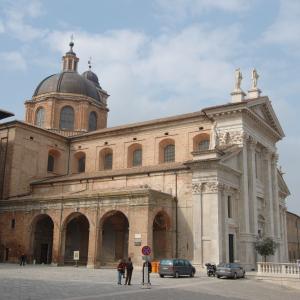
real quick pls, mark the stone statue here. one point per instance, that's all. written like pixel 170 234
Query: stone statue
pixel 238 79
pixel 254 77
pixel 214 136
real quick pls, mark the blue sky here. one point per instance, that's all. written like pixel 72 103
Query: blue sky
pixel 161 57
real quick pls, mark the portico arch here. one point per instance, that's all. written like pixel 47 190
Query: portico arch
pixel 75 237
pixel 114 227
pixel 162 238
pixel 42 239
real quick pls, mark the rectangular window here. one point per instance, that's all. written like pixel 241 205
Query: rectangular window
pixel 229 207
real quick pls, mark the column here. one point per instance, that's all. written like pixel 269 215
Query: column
pixel 56 244
pixel 92 251
pixel 253 143
pixel 197 223
pixel 269 190
pixel 275 195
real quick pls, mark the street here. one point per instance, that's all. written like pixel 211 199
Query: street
pixel 70 283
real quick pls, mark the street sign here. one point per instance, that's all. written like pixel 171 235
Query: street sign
pixel 146 250
pixel 76 255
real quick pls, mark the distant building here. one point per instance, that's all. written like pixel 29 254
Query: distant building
pixel 201 186
pixel 293 235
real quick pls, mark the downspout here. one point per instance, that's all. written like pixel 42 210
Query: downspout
pixel 69 154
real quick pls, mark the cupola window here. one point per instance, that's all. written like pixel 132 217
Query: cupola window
pixel 67 118
pixel 40 116
pixel 92 121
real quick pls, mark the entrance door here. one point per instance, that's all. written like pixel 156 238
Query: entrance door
pixel 44 253
pixel 231 248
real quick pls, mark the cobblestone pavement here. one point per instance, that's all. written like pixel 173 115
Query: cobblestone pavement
pixel 70 283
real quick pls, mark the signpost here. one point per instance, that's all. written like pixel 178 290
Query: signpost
pixel 76 257
pixel 146 251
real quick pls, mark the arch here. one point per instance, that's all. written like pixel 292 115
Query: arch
pixel 79 162
pixel 106 159
pixel 167 151
pixel 40 117
pixel 134 155
pixel 75 237
pixel 66 121
pixel 53 157
pixel 162 236
pixel 201 142
pixel 113 236
pixel 42 239
pixel 93 121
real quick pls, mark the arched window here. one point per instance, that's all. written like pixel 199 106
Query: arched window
pixel 39 117
pixel 50 167
pixel 137 157
pixel 169 153
pixel 108 159
pixel 92 121
pixel 67 118
pixel 81 164
pixel 203 145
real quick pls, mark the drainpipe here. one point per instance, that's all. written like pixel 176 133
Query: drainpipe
pixel 69 153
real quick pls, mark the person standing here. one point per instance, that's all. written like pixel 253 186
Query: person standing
pixel 129 269
pixel 121 270
pixel 146 276
pixel 22 259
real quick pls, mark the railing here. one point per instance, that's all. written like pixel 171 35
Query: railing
pixel 278 270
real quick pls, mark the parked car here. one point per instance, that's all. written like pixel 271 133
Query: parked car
pixel 232 270
pixel 176 268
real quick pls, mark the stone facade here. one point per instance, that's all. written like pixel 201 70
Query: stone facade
pixel 204 185
pixel 293 236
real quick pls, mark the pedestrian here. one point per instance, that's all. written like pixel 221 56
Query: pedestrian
pixel 22 259
pixel 149 267
pixel 121 270
pixel 129 269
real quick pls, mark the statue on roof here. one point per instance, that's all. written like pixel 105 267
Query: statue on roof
pixel 238 79
pixel 254 77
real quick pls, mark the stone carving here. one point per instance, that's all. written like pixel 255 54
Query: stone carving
pixel 212 187
pixel 214 140
pixel 238 79
pixel 197 188
pixel 254 77
pixel 233 138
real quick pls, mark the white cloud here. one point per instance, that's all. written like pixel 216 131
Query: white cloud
pixel 157 76
pixel 17 16
pixel 286 28
pixel 181 9
pixel 13 61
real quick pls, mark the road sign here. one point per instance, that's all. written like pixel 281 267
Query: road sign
pixel 146 250
pixel 76 255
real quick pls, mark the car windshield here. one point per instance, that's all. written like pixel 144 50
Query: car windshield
pixel 167 262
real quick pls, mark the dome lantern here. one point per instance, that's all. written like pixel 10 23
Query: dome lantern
pixel 70 60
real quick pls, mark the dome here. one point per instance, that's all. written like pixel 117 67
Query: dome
pixel 92 77
pixel 68 82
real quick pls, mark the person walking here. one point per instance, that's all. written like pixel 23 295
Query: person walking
pixel 22 259
pixel 121 270
pixel 129 269
pixel 146 277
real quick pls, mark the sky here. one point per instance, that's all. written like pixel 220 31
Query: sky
pixel 161 57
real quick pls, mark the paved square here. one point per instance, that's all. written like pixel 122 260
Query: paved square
pixel 70 283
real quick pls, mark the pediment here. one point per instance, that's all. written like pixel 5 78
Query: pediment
pixel 264 110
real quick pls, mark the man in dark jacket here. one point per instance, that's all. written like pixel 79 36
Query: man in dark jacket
pixel 129 269
pixel 121 270
pixel 146 277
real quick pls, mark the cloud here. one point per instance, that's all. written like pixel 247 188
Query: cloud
pixel 286 28
pixel 182 9
pixel 156 76
pixel 13 61
pixel 17 17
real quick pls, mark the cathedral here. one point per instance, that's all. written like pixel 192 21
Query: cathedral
pixel 202 185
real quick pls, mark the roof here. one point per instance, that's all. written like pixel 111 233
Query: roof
pixel 5 114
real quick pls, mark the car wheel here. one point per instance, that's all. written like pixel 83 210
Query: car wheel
pixel 234 276
pixel 161 275
pixel 176 275
pixel 192 274
pixel 218 276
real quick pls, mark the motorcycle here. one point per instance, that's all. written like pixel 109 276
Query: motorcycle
pixel 211 269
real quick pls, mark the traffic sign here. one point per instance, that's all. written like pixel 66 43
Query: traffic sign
pixel 146 250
